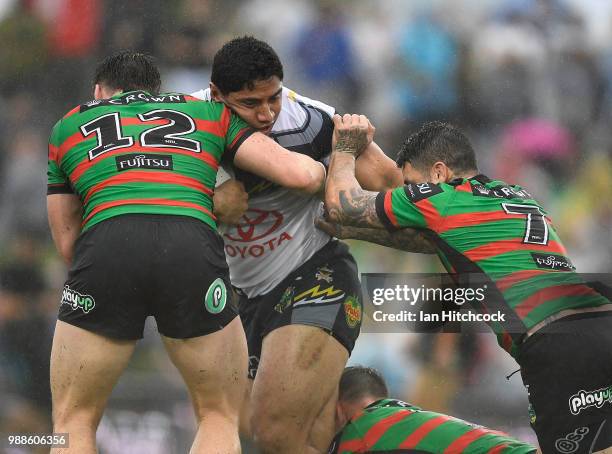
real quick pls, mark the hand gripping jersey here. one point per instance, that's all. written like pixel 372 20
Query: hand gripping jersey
pixel 502 235
pixel 391 425
pixel 277 233
pixel 143 153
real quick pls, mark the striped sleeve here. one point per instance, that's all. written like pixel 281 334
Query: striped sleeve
pixel 57 182
pixel 237 132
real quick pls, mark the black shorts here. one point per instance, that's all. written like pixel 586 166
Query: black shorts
pixel 324 292
pixel 567 369
pixel 131 266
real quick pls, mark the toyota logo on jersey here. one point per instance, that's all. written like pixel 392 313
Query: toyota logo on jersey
pixel 255 224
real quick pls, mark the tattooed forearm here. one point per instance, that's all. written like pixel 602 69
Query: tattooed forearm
pixel 357 207
pixel 345 201
pixel 408 240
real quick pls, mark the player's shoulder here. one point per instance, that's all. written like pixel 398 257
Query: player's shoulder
pixel 293 100
pixel 300 114
pixel 203 94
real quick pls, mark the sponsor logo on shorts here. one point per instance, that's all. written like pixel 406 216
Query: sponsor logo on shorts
pixel 285 300
pixel 571 442
pixel 77 300
pixel 353 312
pixel 216 296
pixel 144 161
pixel 324 274
pixel 585 399
pixel 316 295
pixel 552 262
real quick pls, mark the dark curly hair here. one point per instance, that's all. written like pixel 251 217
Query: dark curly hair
pixel 243 61
pixel 128 71
pixel 437 141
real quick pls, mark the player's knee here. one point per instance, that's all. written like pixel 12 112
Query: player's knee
pixel 216 408
pixel 276 431
pixel 71 418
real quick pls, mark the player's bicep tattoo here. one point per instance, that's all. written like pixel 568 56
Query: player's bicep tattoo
pixel 358 207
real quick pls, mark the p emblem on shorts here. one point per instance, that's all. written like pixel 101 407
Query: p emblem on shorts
pixel 216 296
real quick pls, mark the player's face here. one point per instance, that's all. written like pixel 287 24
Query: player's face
pixel 260 106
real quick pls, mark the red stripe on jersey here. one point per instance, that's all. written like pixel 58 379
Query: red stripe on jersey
pixel 212 127
pixel 238 136
pixel 508 281
pixel 464 440
pixel 72 112
pixel 225 121
pixel 53 151
pixel 165 202
pixel 430 213
pixel 506 342
pixel 379 429
pixel 192 98
pixel 86 164
pixel 464 187
pixel 415 437
pixel 143 176
pixel 469 219
pixel 500 247
pixel 549 293
pixel 134 121
pixel 389 209
pixel 67 144
pixel 351 446
pixel 498 449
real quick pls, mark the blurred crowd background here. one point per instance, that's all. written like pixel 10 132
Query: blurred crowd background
pixel 529 80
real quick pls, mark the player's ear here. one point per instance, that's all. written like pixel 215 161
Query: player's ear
pixel 440 173
pixel 215 93
pixel 98 92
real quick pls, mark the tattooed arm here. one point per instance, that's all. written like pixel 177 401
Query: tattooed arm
pixel 346 202
pixel 409 240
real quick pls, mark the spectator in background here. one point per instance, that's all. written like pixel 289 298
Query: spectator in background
pixel 187 49
pixel 325 55
pixel 23 184
pixel 426 71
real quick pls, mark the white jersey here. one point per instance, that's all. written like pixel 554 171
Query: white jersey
pixel 277 233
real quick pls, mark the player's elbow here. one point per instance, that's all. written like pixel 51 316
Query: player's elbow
pixel 66 250
pixel 309 181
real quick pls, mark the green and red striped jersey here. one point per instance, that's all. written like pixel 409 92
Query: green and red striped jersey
pixel 143 153
pixel 391 425
pixel 496 234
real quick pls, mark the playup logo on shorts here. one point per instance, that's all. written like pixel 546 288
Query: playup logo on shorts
pixel 216 296
pixel 585 399
pixel 77 301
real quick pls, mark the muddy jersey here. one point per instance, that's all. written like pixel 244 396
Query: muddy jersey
pixel 277 233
